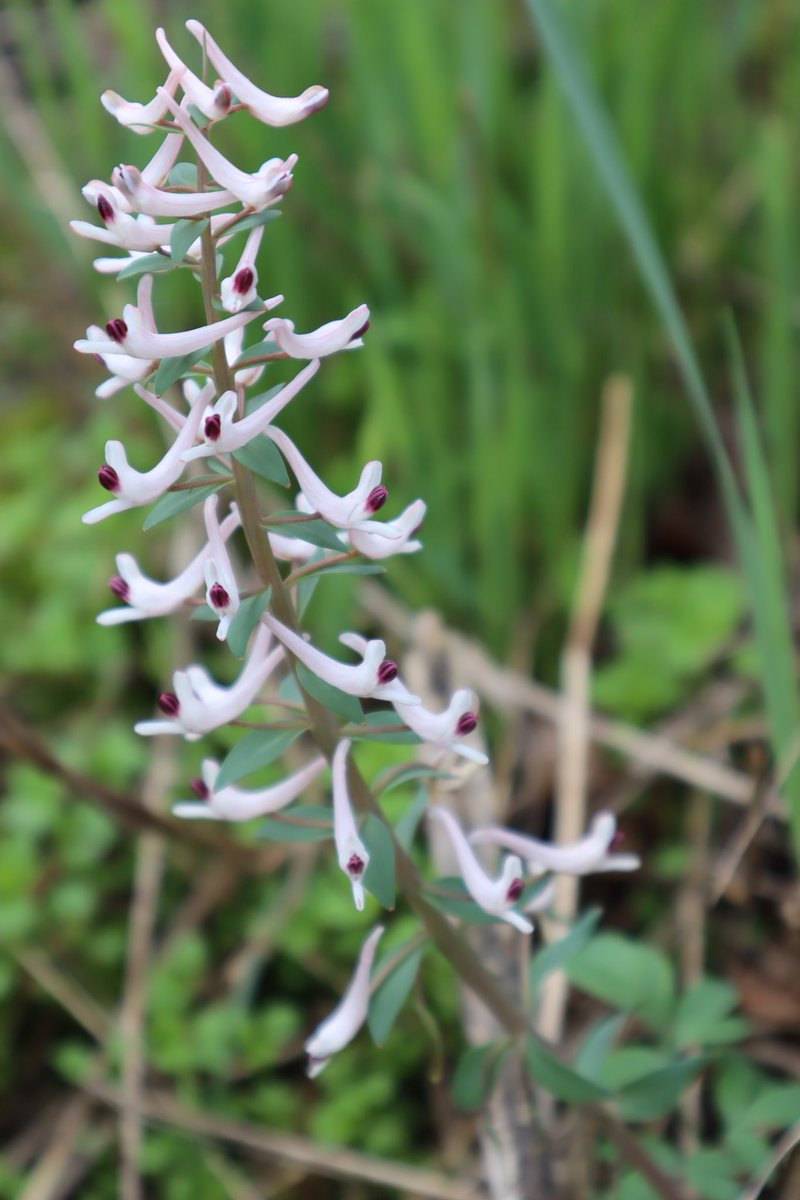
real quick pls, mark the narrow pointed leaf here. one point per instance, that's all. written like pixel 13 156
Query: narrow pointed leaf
pixel 379 877
pixel 549 1072
pixel 148 264
pixel 337 701
pixel 170 370
pixel 173 503
pixel 263 457
pixel 387 1000
pixel 306 823
pixel 246 619
pixel 182 236
pixel 256 750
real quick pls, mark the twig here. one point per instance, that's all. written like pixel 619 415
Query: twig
pixel 782 1148
pixel 81 1006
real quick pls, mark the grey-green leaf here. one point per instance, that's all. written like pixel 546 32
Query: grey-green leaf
pixel 262 456
pixel 389 997
pixel 556 1077
pixel 182 236
pixel 170 370
pixel 173 503
pixel 256 750
pixel 379 877
pixel 148 264
pixel 246 619
pixel 309 823
pixel 337 701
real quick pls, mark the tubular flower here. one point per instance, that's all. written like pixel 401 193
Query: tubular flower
pixel 132 488
pixel 124 369
pixel 447 729
pixel 495 896
pixel 272 110
pixel 222 433
pixel 222 592
pixel 375 677
pixel 345 334
pixel 143 197
pixel 239 289
pixel 240 804
pixel 344 512
pixel 144 597
pixel 141 117
pixel 197 704
pixel 395 537
pixel 245 376
pixel 589 854
pixel 121 229
pixel 339 1029
pixel 351 852
pixel 257 191
pixel 214 103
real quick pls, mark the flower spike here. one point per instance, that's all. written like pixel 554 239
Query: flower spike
pixel 272 110
pixel 345 334
pixel 240 804
pixel 351 852
pixel 591 853
pixel 375 677
pixel 495 896
pixel 339 1029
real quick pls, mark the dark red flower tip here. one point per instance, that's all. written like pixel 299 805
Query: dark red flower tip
pixel 119 587
pixel 355 866
pixel 105 209
pixel 117 330
pixel 243 281
pixel 387 671
pixel 617 840
pixel 223 96
pixel 377 498
pixel 109 479
pixel 466 723
pixel 213 427
pixel 199 788
pixel 169 704
pixel 515 890
pixel 360 332
pixel 218 597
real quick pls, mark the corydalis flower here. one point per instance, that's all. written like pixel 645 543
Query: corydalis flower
pixel 240 804
pixel 339 1029
pixel 214 103
pixel 589 854
pixel 447 729
pixel 495 896
pixel 351 852
pixel 239 289
pixel 141 117
pixel 222 591
pixel 198 704
pixel 384 539
pixel 345 334
pixel 375 677
pixel 156 202
pixel 144 597
pixel 272 110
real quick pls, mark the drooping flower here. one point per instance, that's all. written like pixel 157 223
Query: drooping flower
pixel 353 510
pixel 132 488
pixel 495 896
pixel 144 597
pixel 339 1029
pixel 222 591
pixel 123 369
pixel 272 110
pixel 589 854
pixel 395 537
pixel 141 117
pixel 345 334
pixel 242 804
pixel 375 677
pixel 214 103
pixel 197 704
pixel 447 729
pixel 121 229
pixel 351 852
pixel 258 190
pixel 239 289
pixel 222 433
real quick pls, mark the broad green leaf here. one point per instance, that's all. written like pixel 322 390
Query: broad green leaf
pixel 337 701
pixel 246 619
pixel 702 1011
pixel 474 1075
pixel 597 1045
pixel 657 1094
pixel 172 503
pixel 262 456
pixel 627 974
pixel 379 877
pixel 549 1072
pixel 259 218
pixel 309 823
pixel 183 174
pixel 559 953
pixel 406 827
pixel 388 999
pixel 395 777
pixel 776 1107
pixel 256 750
pixel 148 264
pixel 182 236
pixel 170 370
pixel 316 531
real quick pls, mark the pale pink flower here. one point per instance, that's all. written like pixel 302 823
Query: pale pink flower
pixel 352 854
pixel 392 537
pixel 223 433
pixel 495 896
pixel 144 597
pixel 155 202
pixel 222 591
pixel 345 334
pixel 132 488
pixel 245 376
pixel 242 804
pixel 257 191
pixel 339 1029
pixel 141 117
pixel 447 729
pixel 344 512
pixel 123 368
pixel 375 677
pixel 214 103
pixel 589 854
pixel 292 549
pixel 239 289
pixel 121 229
pixel 197 704
pixel 272 110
